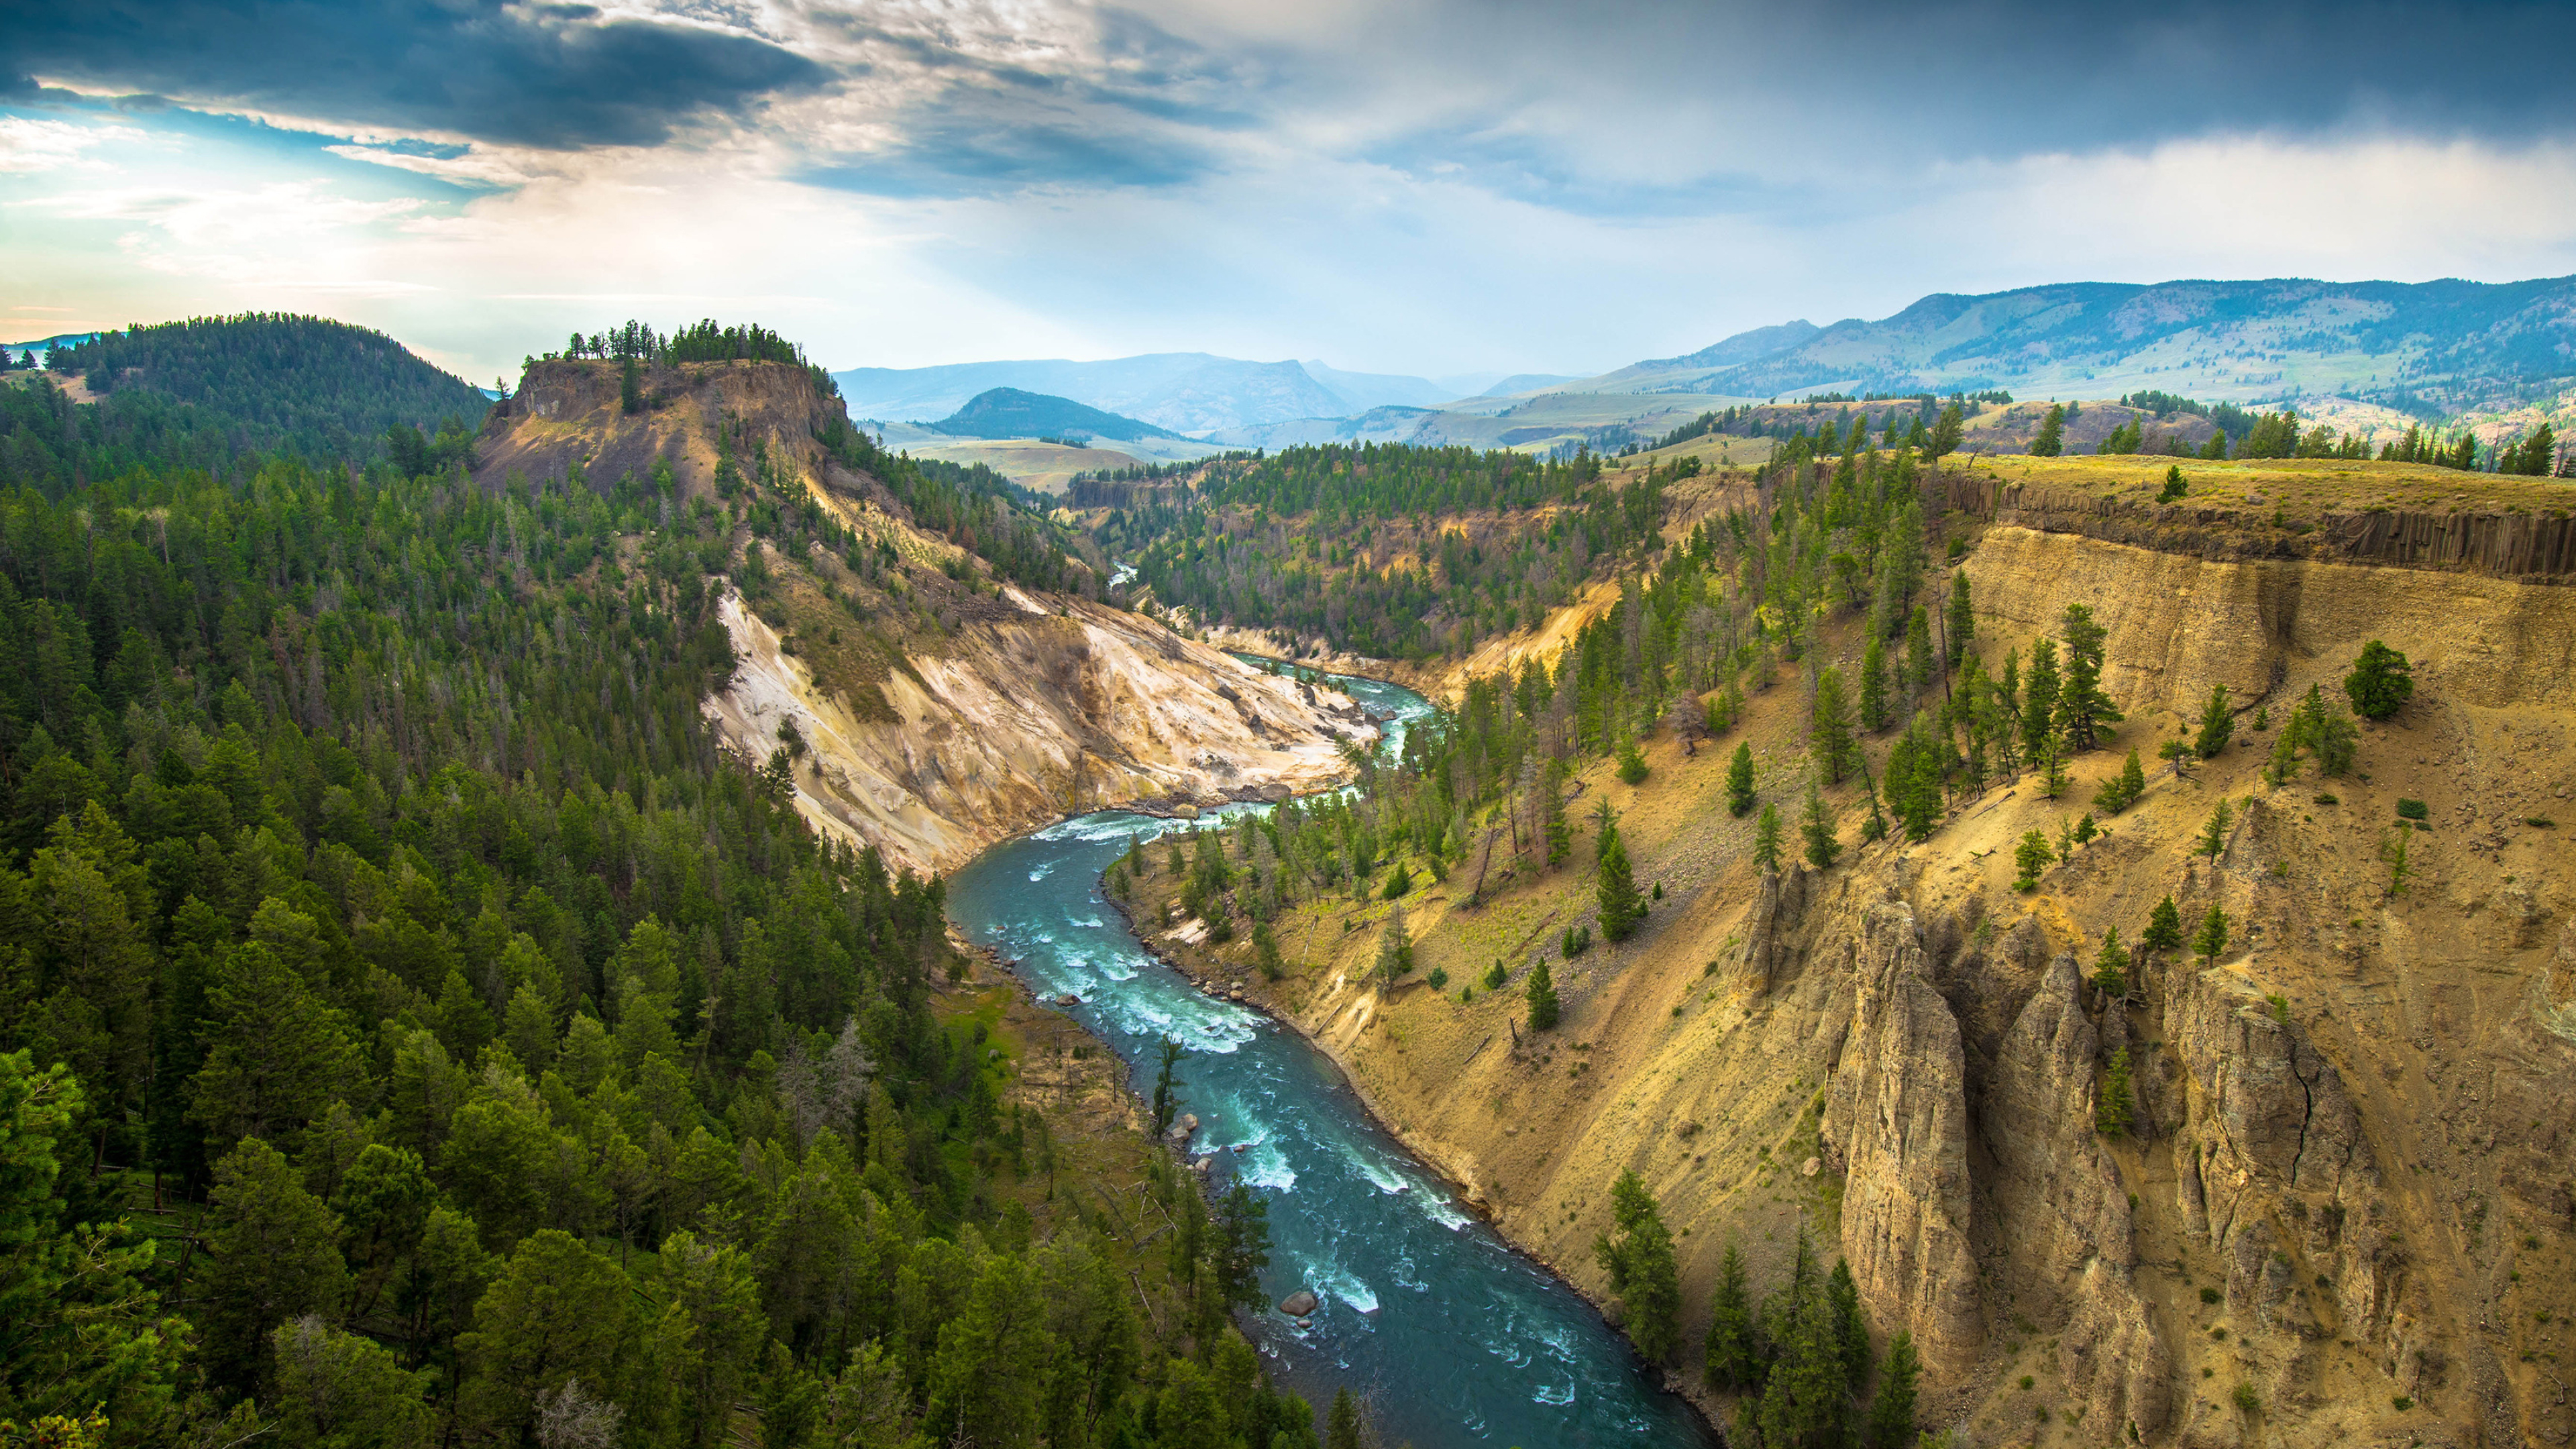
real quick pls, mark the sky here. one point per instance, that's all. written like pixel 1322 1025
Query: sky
pixel 1437 188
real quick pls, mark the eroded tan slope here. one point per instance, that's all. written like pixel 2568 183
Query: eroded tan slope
pixel 2352 1191
pixel 1017 720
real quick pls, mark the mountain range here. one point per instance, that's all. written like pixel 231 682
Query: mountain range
pixel 1185 392
pixel 2435 348
pixel 2438 350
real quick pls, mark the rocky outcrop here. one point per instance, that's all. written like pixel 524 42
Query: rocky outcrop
pixel 2061 1220
pixel 1778 898
pixel 1896 1121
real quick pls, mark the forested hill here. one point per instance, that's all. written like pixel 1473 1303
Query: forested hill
pixel 415 1029
pixel 1382 549
pixel 206 391
pixel 1007 412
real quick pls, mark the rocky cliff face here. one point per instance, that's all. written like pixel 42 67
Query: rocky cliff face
pixel 1896 1126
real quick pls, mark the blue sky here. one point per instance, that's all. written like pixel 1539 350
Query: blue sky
pixel 1431 188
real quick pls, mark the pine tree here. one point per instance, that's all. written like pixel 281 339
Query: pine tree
pixel 1621 907
pixel 1632 763
pixel 1639 1262
pixel 2052 434
pixel 2217 724
pixel 1733 1359
pixel 1830 736
pixel 2007 692
pixel 1918 649
pixel 2111 966
pixel 2283 766
pixel 2117 1105
pixel 1818 828
pixel 1739 781
pixel 2052 764
pixel 2164 928
pixel 1873 685
pixel 2380 681
pixel 2082 708
pixel 1873 829
pixel 630 387
pixel 1541 995
pixel 1552 823
pixel 1962 624
pixel 2215 450
pixel 1806 1395
pixel 275 1255
pixel 1342 1429
pixel 2039 699
pixel 1165 1104
pixel 1766 838
pixel 1851 1326
pixel 1394 951
pixel 2211 938
pixel 2213 836
pixel 1891 1413
pixel 2175 490
pixel 2030 857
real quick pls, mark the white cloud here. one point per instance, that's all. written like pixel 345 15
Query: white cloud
pixel 30 144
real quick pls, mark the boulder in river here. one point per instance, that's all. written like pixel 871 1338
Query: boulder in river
pixel 1298 1304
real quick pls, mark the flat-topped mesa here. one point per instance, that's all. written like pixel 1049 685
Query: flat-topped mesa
pixel 2508 541
pixel 571 412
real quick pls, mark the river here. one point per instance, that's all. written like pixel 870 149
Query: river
pixel 1453 1336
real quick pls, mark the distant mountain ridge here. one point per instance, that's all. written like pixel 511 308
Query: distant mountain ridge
pixel 1186 392
pixel 2439 347
pixel 1007 412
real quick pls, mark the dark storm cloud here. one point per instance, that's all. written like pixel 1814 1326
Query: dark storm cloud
pixel 558 77
pixel 1141 110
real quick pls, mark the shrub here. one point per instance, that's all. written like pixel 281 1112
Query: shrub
pixel 1495 975
pixel 2412 810
pixel 2380 681
pixel 2247 1401
pixel 2400 1402
pixel 2540 822
pixel 2329 799
pixel 1438 978
pixel 2210 1295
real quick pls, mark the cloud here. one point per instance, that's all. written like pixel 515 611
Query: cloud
pixel 28 144
pixel 538 75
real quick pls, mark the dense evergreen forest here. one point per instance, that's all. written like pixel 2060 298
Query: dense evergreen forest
pixel 262 381
pixel 413 1029
pixel 1352 544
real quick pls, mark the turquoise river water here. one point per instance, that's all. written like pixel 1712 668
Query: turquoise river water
pixel 1455 1337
